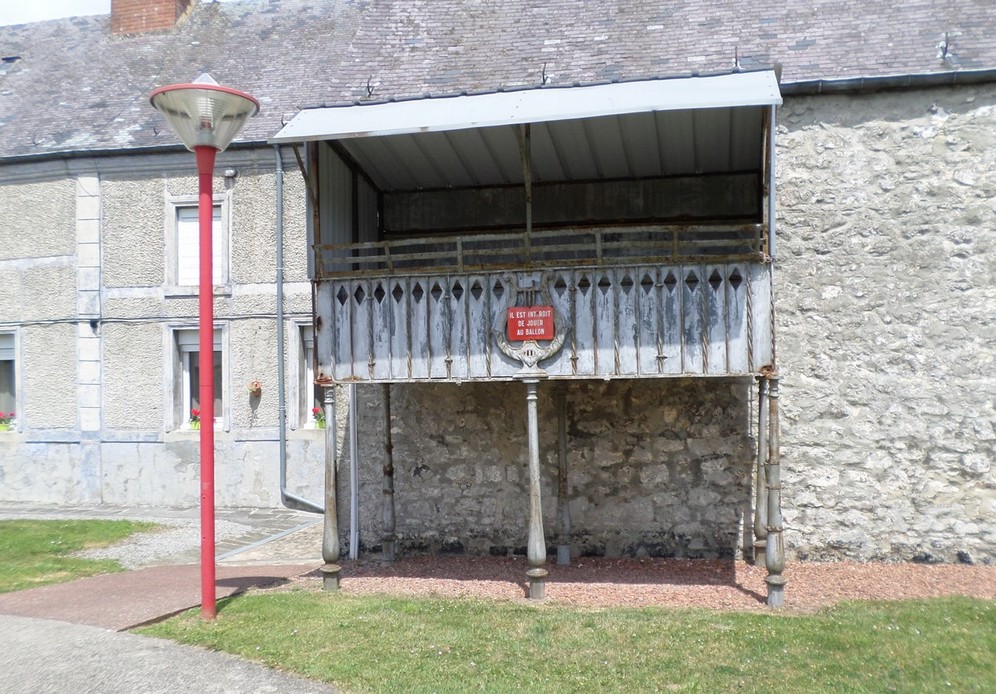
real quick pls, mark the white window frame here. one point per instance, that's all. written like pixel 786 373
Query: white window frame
pixel 184 345
pixel 181 215
pixel 302 376
pixel 8 352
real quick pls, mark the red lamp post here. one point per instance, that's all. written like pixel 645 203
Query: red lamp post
pixel 207 117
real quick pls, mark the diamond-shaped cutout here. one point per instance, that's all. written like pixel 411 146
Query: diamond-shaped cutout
pixel 604 284
pixel 436 291
pixel 498 290
pixel 379 293
pixel 342 295
pixel 457 291
pixel 647 284
pixel 397 293
pixel 560 286
pixel 715 280
pixel 670 281
pixel 584 285
pixel 418 292
pixel 692 280
pixel 476 290
pixel 359 295
pixel 736 279
pixel 626 284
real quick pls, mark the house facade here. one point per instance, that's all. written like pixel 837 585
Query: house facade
pixel 879 273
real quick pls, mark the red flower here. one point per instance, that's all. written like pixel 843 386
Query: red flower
pixel 314 410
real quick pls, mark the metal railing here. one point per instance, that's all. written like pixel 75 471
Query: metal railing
pixel 563 247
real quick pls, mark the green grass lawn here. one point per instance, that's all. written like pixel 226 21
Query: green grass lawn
pixel 36 552
pixel 387 644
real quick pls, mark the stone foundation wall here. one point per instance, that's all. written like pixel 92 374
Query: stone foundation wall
pixel 655 468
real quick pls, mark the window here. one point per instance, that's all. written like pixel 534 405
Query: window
pixel 188 397
pixel 188 247
pixel 8 377
pixel 183 243
pixel 311 395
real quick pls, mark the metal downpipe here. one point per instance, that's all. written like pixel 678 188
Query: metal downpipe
pixel 289 500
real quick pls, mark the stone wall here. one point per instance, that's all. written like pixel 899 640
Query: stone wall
pixel 886 298
pixel 655 468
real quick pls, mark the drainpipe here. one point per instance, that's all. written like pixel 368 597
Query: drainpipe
pixel 286 498
pixel 771 182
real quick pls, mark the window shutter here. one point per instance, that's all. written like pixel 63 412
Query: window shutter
pixel 188 247
pixel 187 340
pixel 6 347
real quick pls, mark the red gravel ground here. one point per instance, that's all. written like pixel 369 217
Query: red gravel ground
pixel 725 585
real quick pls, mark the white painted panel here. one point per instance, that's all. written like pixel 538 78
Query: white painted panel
pixel 714 290
pixel 761 323
pixel 418 306
pixel 361 324
pixel 559 284
pixel 458 293
pixel 605 315
pixel 736 318
pixel 672 322
pixel 400 330
pixel 342 331
pixel 627 291
pixel 381 320
pixel 438 326
pixel 649 326
pixel 693 309
pixel 479 325
pixel 502 366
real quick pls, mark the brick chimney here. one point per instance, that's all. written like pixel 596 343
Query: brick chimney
pixel 142 16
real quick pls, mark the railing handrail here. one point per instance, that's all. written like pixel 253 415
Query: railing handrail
pixel 571 246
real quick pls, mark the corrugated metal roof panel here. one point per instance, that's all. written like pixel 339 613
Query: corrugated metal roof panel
pixel 657 141
pixel 531 106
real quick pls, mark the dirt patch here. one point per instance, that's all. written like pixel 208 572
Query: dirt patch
pixel 725 585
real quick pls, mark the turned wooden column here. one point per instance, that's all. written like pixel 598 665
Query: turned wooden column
pixel 775 545
pixel 536 544
pixel 760 491
pixel 330 529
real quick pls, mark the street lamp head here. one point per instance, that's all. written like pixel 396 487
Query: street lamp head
pixel 203 113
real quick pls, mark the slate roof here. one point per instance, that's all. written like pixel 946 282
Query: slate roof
pixel 76 87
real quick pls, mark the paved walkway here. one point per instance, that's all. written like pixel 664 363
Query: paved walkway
pixel 82 651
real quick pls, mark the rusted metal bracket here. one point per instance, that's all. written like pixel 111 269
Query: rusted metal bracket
pixel 308 182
